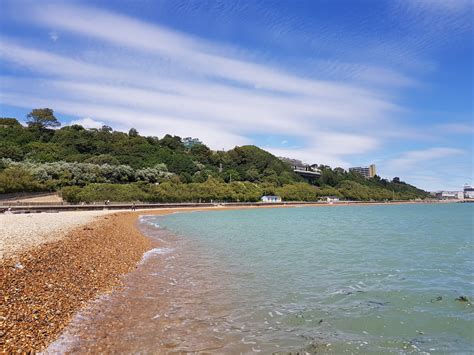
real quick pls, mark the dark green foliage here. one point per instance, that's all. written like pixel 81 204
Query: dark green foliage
pixel 250 157
pixel 298 192
pixel 10 151
pixel 201 153
pixel 58 174
pixel 353 186
pixel 133 132
pixel 103 192
pixel 105 146
pixel 9 122
pixel 102 159
pixel 71 194
pixel 210 190
pixel 15 179
pixel 95 164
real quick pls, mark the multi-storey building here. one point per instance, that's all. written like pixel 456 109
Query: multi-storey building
pixel 449 195
pixel 468 191
pixel 303 169
pixel 367 172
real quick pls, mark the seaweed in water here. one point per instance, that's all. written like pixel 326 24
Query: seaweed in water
pixel 378 303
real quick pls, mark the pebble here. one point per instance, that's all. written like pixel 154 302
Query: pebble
pixel 48 284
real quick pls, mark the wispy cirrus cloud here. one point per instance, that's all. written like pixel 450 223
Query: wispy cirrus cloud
pixel 456 128
pixel 412 158
pixel 209 86
pixel 440 167
pixel 126 72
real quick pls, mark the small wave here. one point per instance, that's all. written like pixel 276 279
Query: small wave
pixel 154 252
pixel 149 220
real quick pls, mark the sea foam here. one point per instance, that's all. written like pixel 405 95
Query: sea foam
pixel 154 252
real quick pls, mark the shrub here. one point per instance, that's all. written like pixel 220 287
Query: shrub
pixel 102 192
pixel 15 179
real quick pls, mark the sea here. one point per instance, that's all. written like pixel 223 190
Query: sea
pixel 301 280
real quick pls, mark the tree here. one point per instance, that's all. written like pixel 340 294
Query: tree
pixel 14 179
pixel 133 132
pixel 103 159
pixel 106 129
pixel 9 122
pixel 201 152
pixel 42 118
pixel 172 142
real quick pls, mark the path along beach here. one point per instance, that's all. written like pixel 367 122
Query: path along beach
pixel 53 264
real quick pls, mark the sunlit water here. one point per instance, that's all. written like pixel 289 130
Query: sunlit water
pixel 316 279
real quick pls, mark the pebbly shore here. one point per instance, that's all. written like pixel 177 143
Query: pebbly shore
pixel 43 287
pixel 54 264
pixel 20 232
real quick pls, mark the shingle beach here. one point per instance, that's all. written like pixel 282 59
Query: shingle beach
pixel 19 232
pixel 54 264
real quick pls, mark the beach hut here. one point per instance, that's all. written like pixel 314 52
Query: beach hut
pixel 271 199
pixel 331 199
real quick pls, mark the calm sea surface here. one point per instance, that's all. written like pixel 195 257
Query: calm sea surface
pixel 356 279
pixel 342 279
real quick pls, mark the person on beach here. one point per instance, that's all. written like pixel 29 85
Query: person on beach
pixel 133 206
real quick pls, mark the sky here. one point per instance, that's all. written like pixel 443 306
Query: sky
pixel 334 82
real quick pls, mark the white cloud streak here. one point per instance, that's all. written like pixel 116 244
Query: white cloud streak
pixel 415 157
pixel 433 168
pixel 126 72
pixel 208 86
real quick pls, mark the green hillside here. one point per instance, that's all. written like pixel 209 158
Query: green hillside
pixel 98 164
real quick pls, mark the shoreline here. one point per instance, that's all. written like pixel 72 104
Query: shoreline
pixel 119 206
pixel 46 285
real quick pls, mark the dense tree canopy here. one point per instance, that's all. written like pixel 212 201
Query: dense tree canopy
pixel 93 163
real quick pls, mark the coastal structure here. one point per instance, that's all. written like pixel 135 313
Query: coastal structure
pixel 449 195
pixel 190 142
pixel 468 191
pixel 330 199
pixel 367 172
pixel 304 170
pixel 271 199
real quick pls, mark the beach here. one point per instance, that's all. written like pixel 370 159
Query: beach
pixel 54 264
pixel 20 232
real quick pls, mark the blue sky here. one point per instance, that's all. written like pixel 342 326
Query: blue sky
pixel 340 83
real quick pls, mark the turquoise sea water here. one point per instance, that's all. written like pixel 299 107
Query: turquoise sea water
pixel 357 279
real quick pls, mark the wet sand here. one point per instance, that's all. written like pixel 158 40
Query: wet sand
pixel 160 308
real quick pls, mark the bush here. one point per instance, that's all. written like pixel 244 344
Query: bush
pixel 103 192
pixel 14 179
pixel 71 194
pixel 59 174
pixel 298 192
